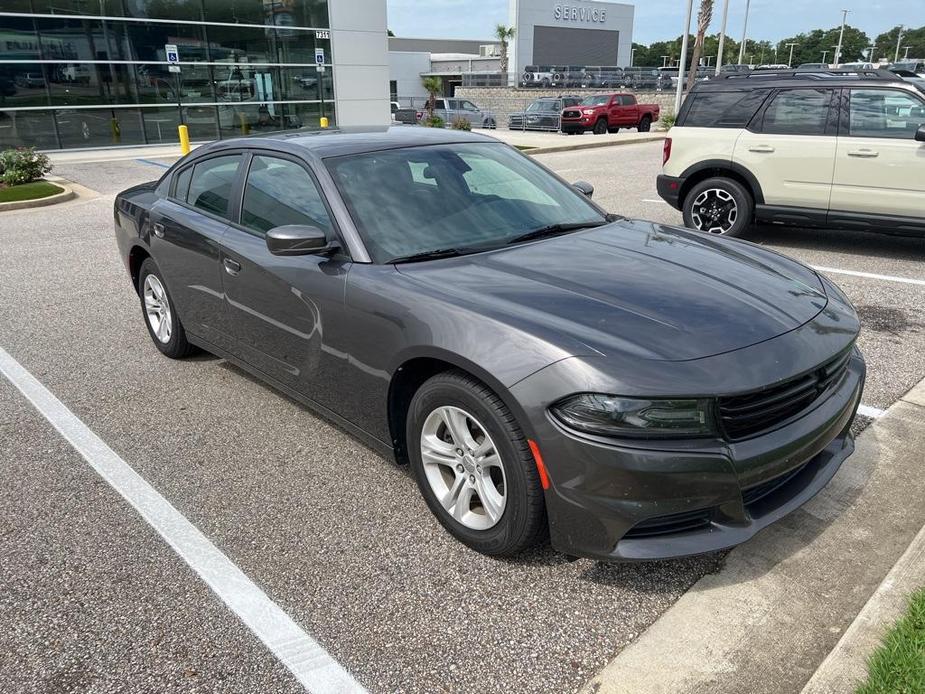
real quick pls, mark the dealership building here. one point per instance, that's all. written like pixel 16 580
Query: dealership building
pixel 92 73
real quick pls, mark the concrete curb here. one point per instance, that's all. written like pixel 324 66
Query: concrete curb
pixel 771 616
pixel 594 145
pixel 65 195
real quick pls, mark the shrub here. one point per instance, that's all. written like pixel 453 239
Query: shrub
pixel 460 123
pixel 435 122
pixel 22 165
pixel 667 121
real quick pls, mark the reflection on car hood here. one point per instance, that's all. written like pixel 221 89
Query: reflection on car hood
pixel 635 288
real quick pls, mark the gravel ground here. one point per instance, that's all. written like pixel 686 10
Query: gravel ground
pixel 335 534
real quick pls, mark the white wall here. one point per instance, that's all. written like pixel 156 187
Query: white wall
pixel 405 67
pixel 359 42
pixel 525 14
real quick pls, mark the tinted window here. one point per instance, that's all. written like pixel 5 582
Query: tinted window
pixel 885 113
pixel 723 109
pixel 280 192
pixel 210 187
pixel 182 186
pixel 798 112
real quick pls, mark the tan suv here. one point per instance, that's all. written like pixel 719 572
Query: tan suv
pixel 813 149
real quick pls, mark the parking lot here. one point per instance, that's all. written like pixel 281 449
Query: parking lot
pixel 335 535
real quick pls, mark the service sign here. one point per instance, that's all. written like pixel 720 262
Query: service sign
pixel 173 55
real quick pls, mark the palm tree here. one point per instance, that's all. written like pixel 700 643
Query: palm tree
pixel 433 85
pixel 704 17
pixel 503 34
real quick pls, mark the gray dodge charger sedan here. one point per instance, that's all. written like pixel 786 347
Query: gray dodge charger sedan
pixel 631 390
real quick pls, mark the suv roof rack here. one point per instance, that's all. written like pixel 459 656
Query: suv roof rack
pixel 810 73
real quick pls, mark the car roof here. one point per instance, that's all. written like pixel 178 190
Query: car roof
pixel 336 142
pixel 771 79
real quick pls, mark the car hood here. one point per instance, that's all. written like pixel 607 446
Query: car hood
pixel 633 288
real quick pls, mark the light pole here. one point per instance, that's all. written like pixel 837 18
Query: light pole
pixel 824 54
pixel 870 54
pixel 665 60
pixel 683 63
pixel 722 37
pixel 835 55
pixel 790 59
pixel 841 36
pixel 906 56
pixel 899 39
pixel 632 55
pixel 748 4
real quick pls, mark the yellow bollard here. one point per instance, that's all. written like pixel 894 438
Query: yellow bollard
pixel 324 122
pixel 184 139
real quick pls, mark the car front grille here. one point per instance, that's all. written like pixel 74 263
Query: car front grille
pixel 742 416
pixel 685 521
pixel 755 494
pixel 571 114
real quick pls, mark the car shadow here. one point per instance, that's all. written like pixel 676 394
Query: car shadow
pixel 886 246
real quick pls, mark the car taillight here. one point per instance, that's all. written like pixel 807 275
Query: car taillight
pixel 666 151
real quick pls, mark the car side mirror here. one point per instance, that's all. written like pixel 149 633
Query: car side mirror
pixel 584 188
pixel 297 239
pixel 920 134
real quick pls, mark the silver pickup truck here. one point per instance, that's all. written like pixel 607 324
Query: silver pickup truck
pixel 449 110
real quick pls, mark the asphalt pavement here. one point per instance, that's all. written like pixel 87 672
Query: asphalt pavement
pixel 336 535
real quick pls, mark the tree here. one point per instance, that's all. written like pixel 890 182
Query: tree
pixel 704 17
pixel 503 34
pixel 433 85
pixel 913 38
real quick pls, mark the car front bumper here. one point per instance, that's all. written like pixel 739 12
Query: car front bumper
pixel 630 501
pixel 669 189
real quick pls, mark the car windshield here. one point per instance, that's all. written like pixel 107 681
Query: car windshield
pixel 599 100
pixel 454 197
pixel 543 106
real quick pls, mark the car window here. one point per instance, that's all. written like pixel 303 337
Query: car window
pixel 599 100
pixel 478 195
pixel 280 192
pixel 469 106
pixel 885 113
pixel 181 188
pixel 211 184
pixel 723 109
pixel 798 112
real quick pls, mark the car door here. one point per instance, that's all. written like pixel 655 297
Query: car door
pixel 472 113
pixel 789 147
pixel 879 164
pixel 188 226
pixel 284 309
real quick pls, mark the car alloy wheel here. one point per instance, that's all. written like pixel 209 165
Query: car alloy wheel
pixel 715 211
pixel 157 309
pixel 463 468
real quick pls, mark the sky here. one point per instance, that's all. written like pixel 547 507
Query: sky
pixel 658 20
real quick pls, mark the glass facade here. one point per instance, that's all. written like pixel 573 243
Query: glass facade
pixel 94 73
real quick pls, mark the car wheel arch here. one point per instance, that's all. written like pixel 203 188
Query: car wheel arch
pixel 413 372
pixel 720 168
pixel 136 256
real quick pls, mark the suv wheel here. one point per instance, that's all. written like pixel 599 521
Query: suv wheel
pixel 718 206
pixel 601 126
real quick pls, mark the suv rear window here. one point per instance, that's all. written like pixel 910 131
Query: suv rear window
pixel 723 109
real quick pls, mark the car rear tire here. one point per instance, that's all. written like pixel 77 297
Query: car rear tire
pixel 600 127
pixel 159 313
pixel 645 125
pixel 719 206
pixel 474 467
pixel 490 123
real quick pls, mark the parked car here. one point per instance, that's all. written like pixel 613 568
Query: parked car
pixel 843 152
pixel 813 66
pixel 405 115
pixel 604 113
pixel 449 110
pixel 30 80
pixel 537 76
pixel 632 390
pixel 916 66
pixel 602 78
pixel 736 67
pixel 911 77
pixel 542 114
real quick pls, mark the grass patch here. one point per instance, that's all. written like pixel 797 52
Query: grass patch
pixel 898 666
pixel 523 147
pixel 29 191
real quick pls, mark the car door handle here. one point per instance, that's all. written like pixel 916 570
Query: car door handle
pixel 232 267
pixel 761 149
pixel 158 230
pixel 865 153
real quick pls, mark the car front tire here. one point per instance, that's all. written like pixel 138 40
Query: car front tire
pixel 600 127
pixel 159 313
pixel 719 206
pixel 474 467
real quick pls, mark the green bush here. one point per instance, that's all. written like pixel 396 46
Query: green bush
pixel 460 123
pixel 667 121
pixel 435 122
pixel 22 165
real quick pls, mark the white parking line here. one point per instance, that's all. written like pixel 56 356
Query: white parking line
pixel 869 275
pixel 872 412
pixel 654 200
pixel 305 657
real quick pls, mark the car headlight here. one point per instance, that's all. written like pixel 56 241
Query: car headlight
pixel 588 111
pixel 613 415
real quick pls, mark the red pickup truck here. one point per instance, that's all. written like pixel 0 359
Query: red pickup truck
pixel 604 113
